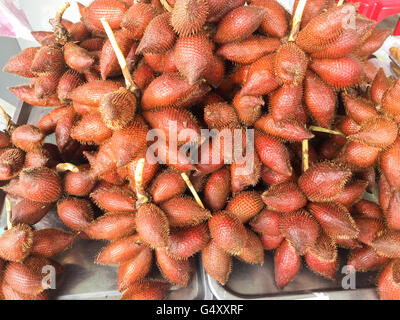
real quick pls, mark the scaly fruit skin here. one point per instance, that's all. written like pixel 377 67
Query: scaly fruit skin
pixel 119 251
pixel 387 244
pixel 112 226
pixel 12 160
pixel 29 212
pixel 326 269
pixel 388 286
pixel 48 242
pixel 184 212
pixel 290 64
pixel 217 262
pixel 274 21
pixel 390 164
pixel 267 222
pixel 184 243
pixel 245 205
pixel 188 16
pixel 368 209
pixel 75 213
pixel 393 212
pixel 91 129
pixel 253 252
pixel 27 137
pixel 91 93
pixel 217 190
pixel 228 232
pixel 167 185
pixel 79 183
pixel 366 259
pixel 323 181
pixel 175 271
pixel 137 18
pixel 16 243
pixel 239 24
pixel 284 197
pixel 136 269
pixel 300 230
pixel 111 10
pixel 21 63
pixel 146 290
pixel 114 200
pixel 152 225
pixel 287 264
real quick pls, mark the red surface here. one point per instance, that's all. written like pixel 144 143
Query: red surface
pixel 379 10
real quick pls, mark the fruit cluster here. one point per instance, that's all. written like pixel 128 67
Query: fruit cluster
pixel 324 120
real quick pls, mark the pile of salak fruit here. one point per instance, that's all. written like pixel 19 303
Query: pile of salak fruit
pixel 326 132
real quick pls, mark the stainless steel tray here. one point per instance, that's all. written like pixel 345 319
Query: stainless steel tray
pixel 82 279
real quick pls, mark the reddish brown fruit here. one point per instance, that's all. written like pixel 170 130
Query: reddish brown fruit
pixel 91 129
pixel 335 220
pixel 388 284
pixel 64 129
pixel 217 190
pixel 390 164
pixel 77 58
pixel 10 294
pixel 172 90
pixel 275 19
pixel 290 64
pixel 217 262
pixel 219 115
pixel 167 185
pixel 228 232
pixel 339 73
pixel 120 251
pixel 271 177
pixel 287 264
pixel 112 226
pixel 146 290
pixel 385 193
pixel 267 222
pixel 358 155
pixel 249 50
pixel 325 28
pixel 390 101
pixel 114 199
pixel 359 109
pixel 11 163
pixel 317 265
pixel 192 55
pixel 136 269
pixel 323 181
pixel 188 16
pixel 27 93
pixel 16 243
pixel 366 259
pixel 48 122
pixel 75 213
pixel 284 197
pixel 48 242
pixel 29 212
pixel 218 9
pixel 152 225
pixel 49 59
pixel 260 78
pixel 393 212
pixel 379 86
pixel 92 44
pixel 352 192
pixel 27 137
pixel 368 209
pixel 239 24
pixel 320 100
pixel 79 183
pixel 387 244
pixel 348 243
pixel 91 93
pixel 108 60
pixel 37 184
pixel 290 130
pixel 184 243
pixel 68 82
pixel 248 108
pixel 369 229
pixel 373 42
pixel 137 18
pixel 253 251
pixel 243 176
pixel 175 271
pixel 300 230
pixel 159 36
pixel 324 249
pixel 184 212
pixel 245 205
pixel 21 63
pixel 271 242
pixel 111 10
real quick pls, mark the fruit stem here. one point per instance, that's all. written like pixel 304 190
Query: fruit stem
pixel 130 84
pixel 9 213
pixel 62 35
pixel 324 130
pixel 340 3
pixel 192 189
pixel 63 167
pixel 306 156
pixel 297 20
pixel 166 5
pixel 142 197
pixel 6 118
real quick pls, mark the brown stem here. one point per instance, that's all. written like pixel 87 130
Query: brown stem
pixel 166 5
pixel 63 167
pixel 192 189
pixel 62 35
pixel 297 20
pixel 9 213
pixel 130 84
pixel 9 123
pixel 324 130
pixel 140 192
